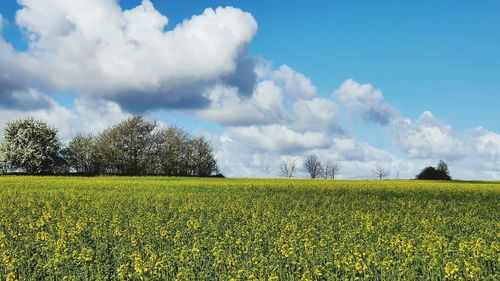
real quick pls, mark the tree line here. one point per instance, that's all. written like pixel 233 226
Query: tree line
pixel 133 147
pixel 330 169
pixel 312 164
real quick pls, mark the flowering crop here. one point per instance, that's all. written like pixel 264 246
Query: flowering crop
pixel 118 228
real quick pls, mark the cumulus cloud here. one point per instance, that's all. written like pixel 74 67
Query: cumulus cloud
pixel 230 109
pixel 295 84
pixel 276 123
pixel 278 138
pixel 365 97
pixel 1 23
pixel 26 100
pixel 127 56
pixel 272 103
pixel 427 137
pixel 18 80
pixel 486 143
pixel 317 114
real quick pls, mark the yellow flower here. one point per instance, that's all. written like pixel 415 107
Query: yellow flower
pixel 164 232
pixel 273 278
pixel 450 269
pixel 11 277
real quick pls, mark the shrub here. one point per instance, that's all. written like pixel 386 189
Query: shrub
pixel 431 173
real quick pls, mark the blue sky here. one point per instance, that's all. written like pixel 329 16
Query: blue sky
pixel 437 56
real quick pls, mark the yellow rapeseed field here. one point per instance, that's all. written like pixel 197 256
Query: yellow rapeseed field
pixel 153 228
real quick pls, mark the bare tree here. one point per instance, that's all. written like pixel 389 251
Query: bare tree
pixel 313 166
pixel 332 169
pixel 288 168
pixel 381 172
pixel 267 169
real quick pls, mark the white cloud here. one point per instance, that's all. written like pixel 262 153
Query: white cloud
pixel 364 97
pixel 277 138
pixel 230 109
pixel 427 137
pixel 26 100
pixel 486 143
pixel 317 114
pixel 269 104
pixel 1 23
pixel 354 95
pixel 127 56
pixel 295 84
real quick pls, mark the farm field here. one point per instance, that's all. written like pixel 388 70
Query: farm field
pixel 155 228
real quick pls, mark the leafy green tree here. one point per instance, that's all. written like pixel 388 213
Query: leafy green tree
pixel 182 155
pixel 173 152
pixel 3 161
pixel 128 148
pixel 33 147
pixel 443 167
pixel 82 156
pixel 204 163
pixel 431 173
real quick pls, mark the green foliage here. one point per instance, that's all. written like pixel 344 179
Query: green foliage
pixel 140 147
pixel 82 155
pixel 31 146
pixel 153 228
pixel 203 163
pixel 128 147
pixel 183 155
pixel 431 173
pixel 443 167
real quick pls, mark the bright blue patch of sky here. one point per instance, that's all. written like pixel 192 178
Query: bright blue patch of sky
pixel 187 120
pixel 10 30
pixel 66 99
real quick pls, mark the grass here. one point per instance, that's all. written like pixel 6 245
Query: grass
pixel 120 228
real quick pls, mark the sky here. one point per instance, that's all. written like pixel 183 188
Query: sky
pixel 395 84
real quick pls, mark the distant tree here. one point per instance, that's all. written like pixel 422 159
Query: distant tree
pixel 267 169
pixel 313 166
pixel 204 163
pixel 173 152
pixel 33 147
pixel 3 161
pixel 331 169
pixel 443 167
pixel 129 147
pixel 82 156
pixel 288 168
pixel 179 154
pixel 431 173
pixel 381 172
